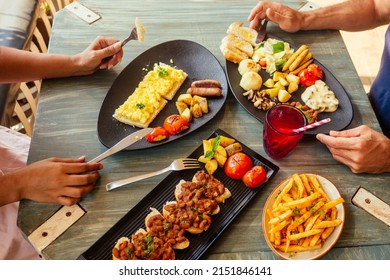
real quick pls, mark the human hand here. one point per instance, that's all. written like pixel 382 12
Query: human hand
pixel 102 53
pixel 287 18
pixel 362 149
pixel 58 180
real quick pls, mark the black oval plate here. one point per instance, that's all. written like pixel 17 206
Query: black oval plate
pixel 341 118
pixel 198 62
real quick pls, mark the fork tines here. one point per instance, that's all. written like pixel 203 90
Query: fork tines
pixel 191 162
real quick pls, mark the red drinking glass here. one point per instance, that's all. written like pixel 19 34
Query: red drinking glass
pixel 278 136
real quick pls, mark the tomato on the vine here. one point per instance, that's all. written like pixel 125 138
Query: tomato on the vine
pixel 158 134
pixel 255 177
pixel 237 165
pixel 175 124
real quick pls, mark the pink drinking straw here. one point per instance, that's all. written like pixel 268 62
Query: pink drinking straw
pixel 310 126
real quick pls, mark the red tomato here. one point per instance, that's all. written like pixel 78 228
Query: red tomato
pixel 255 177
pixel 307 78
pixel 158 134
pixel 316 70
pixel 263 63
pixel 175 124
pixel 310 75
pixel 237 165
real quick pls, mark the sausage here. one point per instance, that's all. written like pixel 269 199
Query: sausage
pixel 206 84
pixel 205 92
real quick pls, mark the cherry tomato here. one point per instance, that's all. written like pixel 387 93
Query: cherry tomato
pixel 175 124
pixel 310 75
pixel 316 70
pixel 255 177
pixel 263 62
pixel 237 165
pixel 158 134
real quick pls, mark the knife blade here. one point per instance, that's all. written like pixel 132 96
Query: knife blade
pixel 124 143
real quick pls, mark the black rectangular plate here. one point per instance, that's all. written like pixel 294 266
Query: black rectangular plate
pixel 164 191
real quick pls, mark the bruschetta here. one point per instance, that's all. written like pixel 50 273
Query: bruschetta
pixel 169 232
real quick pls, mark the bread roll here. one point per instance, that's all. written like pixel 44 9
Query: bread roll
pixel 248 65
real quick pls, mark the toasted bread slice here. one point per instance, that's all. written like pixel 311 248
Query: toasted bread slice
pixel 131 114
pixel 154 212
pixel 210 180
pixel 178 191
pixel 191 229
pixel 164 79
pixel 170 94
pixel 140 30
pixel 232 54
pixel 235 43
pixel 149 247
pixel 122 242
pixel 150 96
pixel 245 33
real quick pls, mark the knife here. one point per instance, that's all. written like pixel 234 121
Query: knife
pixel 124 143
pixel 372 204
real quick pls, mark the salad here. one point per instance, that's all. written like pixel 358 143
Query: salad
pixel 272 54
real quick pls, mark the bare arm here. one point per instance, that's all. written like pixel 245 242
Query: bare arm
pixel 351 15
pixel 18 65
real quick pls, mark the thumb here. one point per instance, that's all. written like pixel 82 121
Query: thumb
pixel 110 50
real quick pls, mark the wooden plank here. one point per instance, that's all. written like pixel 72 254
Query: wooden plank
pixel 372 204
pixel 56 225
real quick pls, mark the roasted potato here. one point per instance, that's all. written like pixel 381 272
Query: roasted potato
pixel 186 98
pixel 211 166
pixel 181 106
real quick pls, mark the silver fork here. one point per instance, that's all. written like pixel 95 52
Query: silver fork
pixel 176 165
pixel 262 33
pixel 133 36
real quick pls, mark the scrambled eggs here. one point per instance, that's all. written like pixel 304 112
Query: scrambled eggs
pixel 151 95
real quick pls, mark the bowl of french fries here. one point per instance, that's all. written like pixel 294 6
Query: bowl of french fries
pixel 303 217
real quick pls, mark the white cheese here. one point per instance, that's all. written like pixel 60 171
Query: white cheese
pixel 320 97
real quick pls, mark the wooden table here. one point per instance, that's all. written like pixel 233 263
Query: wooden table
pixel 66 126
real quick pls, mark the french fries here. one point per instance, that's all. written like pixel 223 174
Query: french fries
pixel 300 59
pixel 302 216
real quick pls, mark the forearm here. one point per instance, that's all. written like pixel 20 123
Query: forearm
pixel 17 65
pixel 351 15
pixel 8 189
